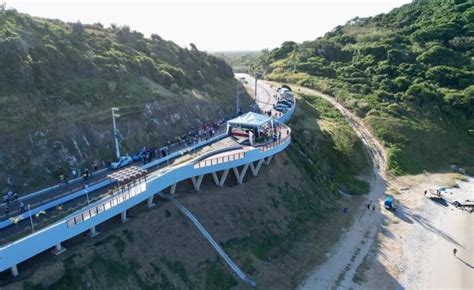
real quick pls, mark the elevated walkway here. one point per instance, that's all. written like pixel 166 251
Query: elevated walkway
pixel 86 219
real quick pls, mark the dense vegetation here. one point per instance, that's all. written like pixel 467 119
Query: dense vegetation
pixel 240 61
pixel 90 63
pixel 409 73
pixel 59 80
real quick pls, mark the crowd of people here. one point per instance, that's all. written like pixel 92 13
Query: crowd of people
pixel 194 136
pixel 10 199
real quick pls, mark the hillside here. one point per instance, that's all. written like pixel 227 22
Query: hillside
pixel 239 60
pixel 59 80
pixel 276 226
pixel 408 73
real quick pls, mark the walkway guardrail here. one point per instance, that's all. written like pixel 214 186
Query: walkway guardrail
pixel 123 195
pixel 219 160
pixel 269 146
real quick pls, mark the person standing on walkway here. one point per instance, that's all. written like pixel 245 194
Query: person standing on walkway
pixel 22 207
pixel 368 206
pixel 373 207
pixel 455 251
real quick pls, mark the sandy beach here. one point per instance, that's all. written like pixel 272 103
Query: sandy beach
pixel 414 247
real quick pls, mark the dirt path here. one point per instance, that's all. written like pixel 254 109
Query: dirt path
pixel 344 258
pixel 411 249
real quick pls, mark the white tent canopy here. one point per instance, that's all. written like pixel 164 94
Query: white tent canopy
pixel 250 119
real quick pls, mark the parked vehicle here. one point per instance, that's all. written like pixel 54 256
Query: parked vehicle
pixel 280 108
pixel 283 90
pixel 433 194
pixel 121 162
pixel 286 87
pixel 142 153
pixel 389 203
pixel 285 103
pixel 467 205
pixel 279 104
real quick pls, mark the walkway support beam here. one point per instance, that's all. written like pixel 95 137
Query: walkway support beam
pixel 240 176
pixel 197 182
pixel 173 189
pixel 256 168
pixel 58 249
pixel 93 232
pixel 149 202
pixel 220 182
pixel 123 216
pixel 268 160
pixel 14 270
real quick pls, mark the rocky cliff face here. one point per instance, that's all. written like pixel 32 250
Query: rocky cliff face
pixel 59 80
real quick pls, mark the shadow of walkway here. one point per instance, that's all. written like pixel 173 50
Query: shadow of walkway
pixel 408 216
pixel 465 263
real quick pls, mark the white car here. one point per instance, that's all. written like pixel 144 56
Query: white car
pixel 121 162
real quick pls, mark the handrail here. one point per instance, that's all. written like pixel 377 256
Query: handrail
pixel 273 144
pixel 115 200
pixel 219 160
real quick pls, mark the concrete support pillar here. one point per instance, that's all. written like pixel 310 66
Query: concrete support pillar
pixel 58 249
pixel 197 182
pixel 256 168
pixel 149 202
pixel 123 216
pixel 14 270
pixel 215 178
pixel 268 160
pixel 220 181
pixel 240 176
pixel 173 189
pixel 93 232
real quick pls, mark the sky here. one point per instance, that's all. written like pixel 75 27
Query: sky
pixel 223 25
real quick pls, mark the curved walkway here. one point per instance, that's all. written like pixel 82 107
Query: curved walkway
pixel 143 190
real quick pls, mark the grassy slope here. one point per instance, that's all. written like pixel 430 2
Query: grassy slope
pixel 59 80
pixel 409 73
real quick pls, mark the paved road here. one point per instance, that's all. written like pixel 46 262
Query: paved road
pixel 48 196
pixel 265 92
pixel 37 199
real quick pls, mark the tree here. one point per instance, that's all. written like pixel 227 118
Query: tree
pixel 440 55
pixel 450 76
pixel 78 29
pixel 156 37
pixel 421 94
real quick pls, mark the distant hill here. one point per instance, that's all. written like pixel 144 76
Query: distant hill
pixel 409 73
pixel 240 61
pixel 59 80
